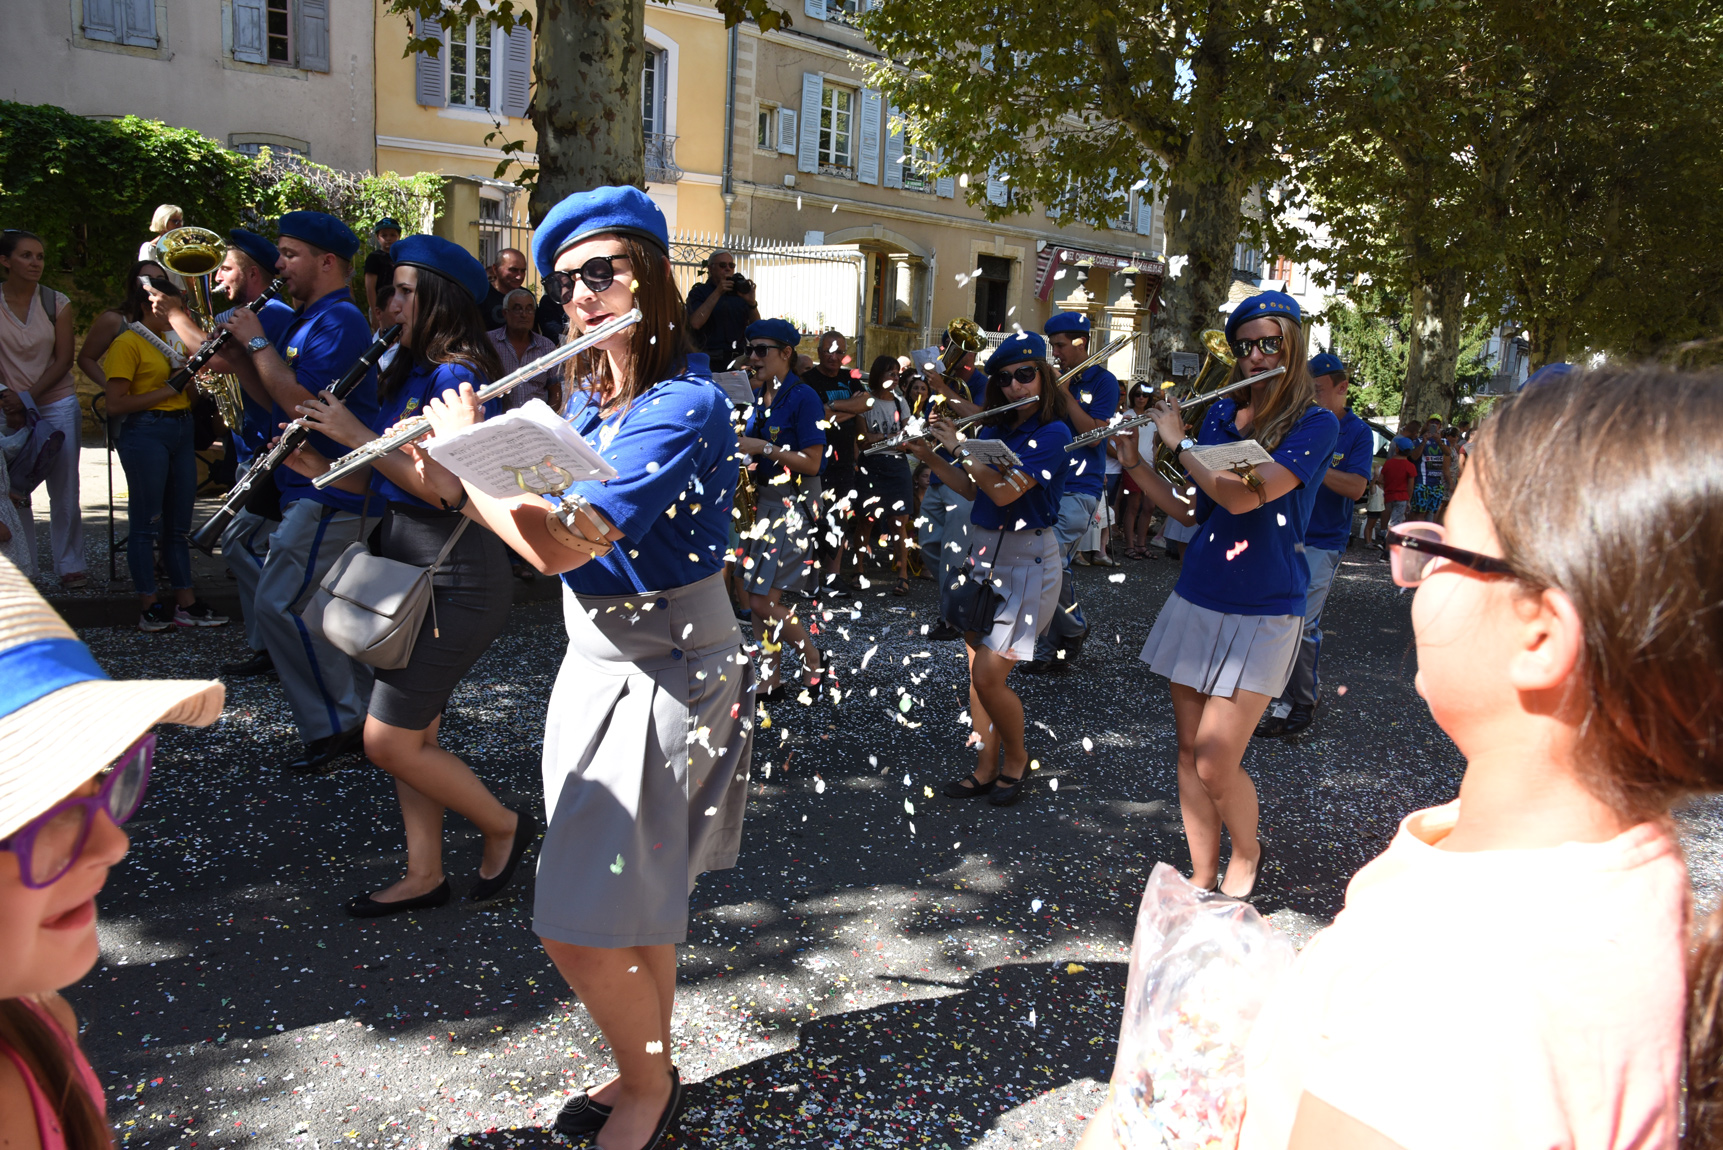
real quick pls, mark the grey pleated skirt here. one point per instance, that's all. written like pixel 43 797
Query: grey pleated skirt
pixel 1219 654
pixel 646 755
pixel 778 550
pixel 1025 569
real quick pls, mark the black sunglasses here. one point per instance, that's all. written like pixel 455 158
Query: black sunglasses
pixel 597 273
pixel 1270 345
pixel 763 348
pixel 1022 375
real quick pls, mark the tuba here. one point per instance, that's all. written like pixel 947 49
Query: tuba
pixel 194 254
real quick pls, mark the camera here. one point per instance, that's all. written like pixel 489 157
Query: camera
pixel 740 283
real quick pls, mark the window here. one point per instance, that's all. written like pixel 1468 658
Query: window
pixel 285 33
pixel 470 71
pixel 837 131
pixel 763 137
pixel 1246 260
pixel 121 22
pixel 992 292
pixel 917 167
pixel 490 229
pixel 1282 270
pixel 652 81
pixel 277 35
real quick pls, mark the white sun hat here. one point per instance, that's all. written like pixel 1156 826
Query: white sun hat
pixel 61 718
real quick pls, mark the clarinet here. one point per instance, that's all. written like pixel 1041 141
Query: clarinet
pixel 196 363
pixel 205 537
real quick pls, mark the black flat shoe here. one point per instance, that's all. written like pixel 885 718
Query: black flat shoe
pixel 526 830
pixel 1005 790
pixel 670 1109
pixel 323 756
pixel 364 906
pixel 978 788
pixel 580 1115
pixel 259 664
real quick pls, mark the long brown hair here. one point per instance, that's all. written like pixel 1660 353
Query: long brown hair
pixel 658 346
pixel 1289 396
pixel 1594 488
pixel 447 328
pixel 137 300
pixel 48 1059
pixel 1051 408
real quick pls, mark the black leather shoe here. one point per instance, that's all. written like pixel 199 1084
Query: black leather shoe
pixel 1040 666
pixel 259 664
pixel 1271 727
pixel 323 756
pixel 1300 719
pixel 580 1115
pixel 364 906
pixel 943 630
pixel 526 830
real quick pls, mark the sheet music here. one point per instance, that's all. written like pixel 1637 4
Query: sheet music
pixel 737 386
pixel 1226 456
pixel 528 451
pixel 993 453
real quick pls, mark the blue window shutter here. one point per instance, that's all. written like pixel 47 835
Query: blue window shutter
pixel 1145 212
pixel 787 136
pixel 947 187
pixel 894 145
pixel 808 149
pixel 247 30
pixel 517 82
pixel 102 20
pixel 140 23
pixel 816 8
pixel 314 35
pixel 867 165
pixel 996 191
pixel 428 85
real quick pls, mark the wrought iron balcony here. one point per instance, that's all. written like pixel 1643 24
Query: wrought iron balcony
pixel 661 159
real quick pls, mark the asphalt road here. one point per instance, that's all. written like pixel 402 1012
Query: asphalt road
pixel 884 968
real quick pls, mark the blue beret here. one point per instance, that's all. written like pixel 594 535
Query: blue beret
pixel 320 229
pixel 624 211
pixel 778 330
pixel 1269 303
pixel 385 224
pixel 1548 373
pixel 1073 322
pixel 1404 443
pixel 446 258
pixel 1326 364
pixel 1017 348
pixel 261 251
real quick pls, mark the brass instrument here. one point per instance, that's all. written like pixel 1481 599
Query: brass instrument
pixel 414 429
pixel 1131 423
pixel 194 254
pixel 1102 355
pixel 963 336
pixel 907 435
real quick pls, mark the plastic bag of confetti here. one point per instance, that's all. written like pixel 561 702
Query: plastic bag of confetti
pixel 1202 965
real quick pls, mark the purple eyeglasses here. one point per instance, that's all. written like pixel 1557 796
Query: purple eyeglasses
pixel 50 843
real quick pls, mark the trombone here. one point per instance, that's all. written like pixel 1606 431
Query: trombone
pixel 1129 339
pixel 1133 422
pixel 909 435
pixel 415 429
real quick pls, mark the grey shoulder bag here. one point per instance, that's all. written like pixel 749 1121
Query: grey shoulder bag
pixel 371 608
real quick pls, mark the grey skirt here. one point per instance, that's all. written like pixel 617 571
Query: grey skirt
pixel 1219 654
pixel 778 550
pixel 646 754
pixel 470 600
pixel 1025 569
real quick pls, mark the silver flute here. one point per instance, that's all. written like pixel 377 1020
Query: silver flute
pixel 1133 422
pixel 415 429
pixel 893 442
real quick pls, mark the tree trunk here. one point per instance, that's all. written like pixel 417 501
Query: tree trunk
pixel 1436 304
pixel 1549 339
pixel 586 105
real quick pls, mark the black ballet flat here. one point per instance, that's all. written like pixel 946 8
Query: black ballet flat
pixel 364 906
pixel 957 790
pixel 670 1110
pixel 526 830
pixel 1006 789
pixel 581 1115
pixel 1250 895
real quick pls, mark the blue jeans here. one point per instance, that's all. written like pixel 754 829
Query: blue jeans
pixel 1302 687
pixel 161 483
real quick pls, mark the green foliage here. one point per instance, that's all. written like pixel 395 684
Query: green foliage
pixel 1371 337
pixel 88 188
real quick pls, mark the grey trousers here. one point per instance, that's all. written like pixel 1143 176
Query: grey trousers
pixel 1076 512
pixel 243 545
pixel 944 532
pixel 1301 688
pixel 327 691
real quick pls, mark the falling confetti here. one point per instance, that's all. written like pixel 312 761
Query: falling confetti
pixel 616 867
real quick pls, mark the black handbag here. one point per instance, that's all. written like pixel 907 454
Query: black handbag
pixel 972 602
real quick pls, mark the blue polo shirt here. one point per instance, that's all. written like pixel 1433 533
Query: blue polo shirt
pixel 962 388
pixel 323 341
pixel 1253 564
pixel 1331 513
pixel 793 421
pixel 255 429
pixel 675 457
pixel 1098 394
pixel 1042 450
pixel 423 383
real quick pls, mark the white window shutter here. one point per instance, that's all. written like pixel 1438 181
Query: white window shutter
pixel 894 144
pixel 867 165
pixel 808 146
pixel 996 191
pixel 428 78
pixel 946 186
pixel 102 20
pixel 816 9
pixel 517 77
pixel 314 35
pixel 139 17
pixel 247 30
pixel 786 132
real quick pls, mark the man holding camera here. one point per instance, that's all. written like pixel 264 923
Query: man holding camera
pixel 720 308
